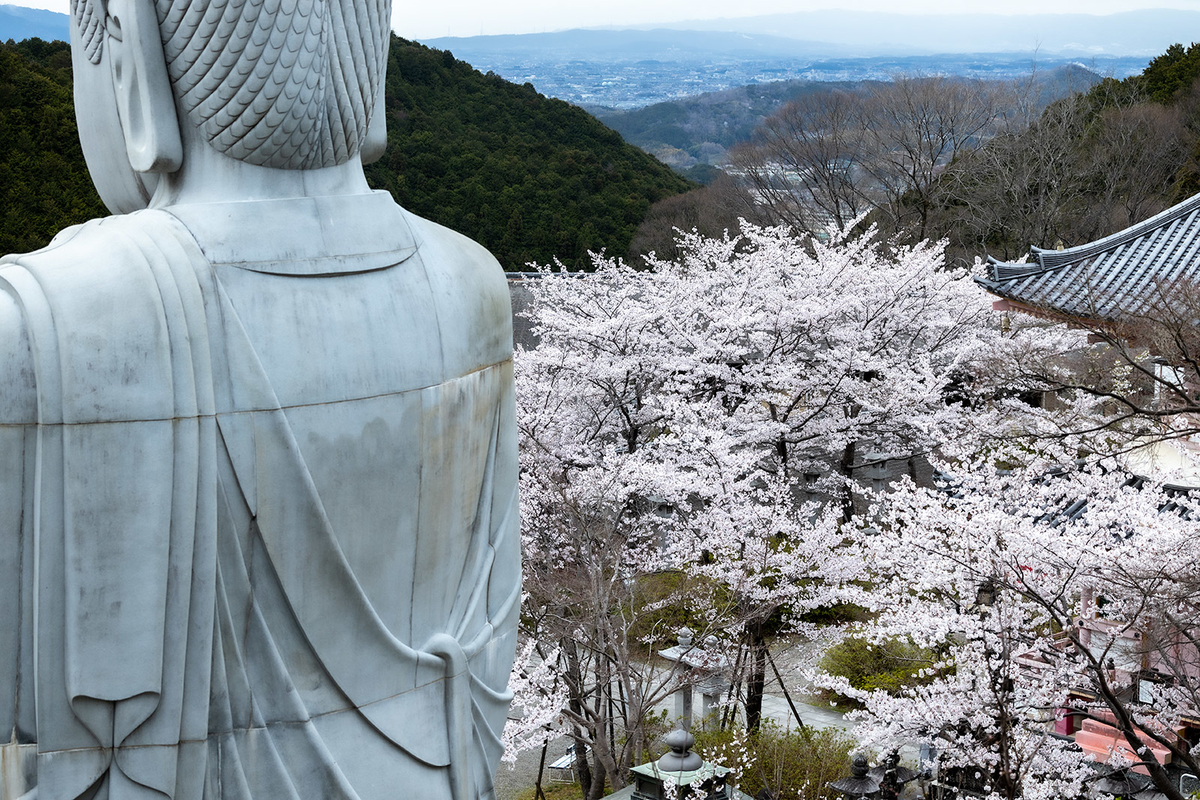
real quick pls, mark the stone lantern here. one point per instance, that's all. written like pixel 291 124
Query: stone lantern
pixel 698 668
pixel 891 777
pixel 690 776
pixel 860 784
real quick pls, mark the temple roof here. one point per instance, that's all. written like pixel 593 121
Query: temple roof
pixel 1111 277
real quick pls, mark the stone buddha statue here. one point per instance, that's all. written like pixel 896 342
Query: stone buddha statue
pixel 258 518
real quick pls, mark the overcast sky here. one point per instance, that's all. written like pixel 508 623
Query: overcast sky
pixel 425 20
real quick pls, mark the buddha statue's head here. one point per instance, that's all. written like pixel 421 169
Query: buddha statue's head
pixel 242 91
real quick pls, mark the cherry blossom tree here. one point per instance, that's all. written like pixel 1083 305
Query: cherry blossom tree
pixel 1142 370
pixel 691 434
pixel 590 409
pixel 1048 588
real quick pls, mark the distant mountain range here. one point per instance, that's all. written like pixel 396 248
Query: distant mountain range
pixel 18 22
pixel 809 34
pixel 1147 32
pixel 660 44
pixel 632 68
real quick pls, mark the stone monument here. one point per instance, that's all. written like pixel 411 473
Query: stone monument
pixel 258 518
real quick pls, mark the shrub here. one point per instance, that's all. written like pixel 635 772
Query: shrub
pixel 793 763
pixel 891 666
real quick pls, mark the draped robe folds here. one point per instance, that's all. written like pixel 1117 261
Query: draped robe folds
pixel 267 541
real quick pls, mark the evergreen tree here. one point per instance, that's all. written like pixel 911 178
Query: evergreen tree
pixel 44 184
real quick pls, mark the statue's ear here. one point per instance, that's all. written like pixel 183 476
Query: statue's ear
pixel 145 104
pixel 376 140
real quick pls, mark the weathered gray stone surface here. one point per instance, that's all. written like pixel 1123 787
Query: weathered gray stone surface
pixel 258 520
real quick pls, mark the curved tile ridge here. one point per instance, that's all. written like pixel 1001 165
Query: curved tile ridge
pixel 1007 270
pixel 1045 260
pixel 1054 258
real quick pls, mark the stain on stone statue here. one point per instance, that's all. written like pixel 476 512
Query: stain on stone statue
pixel 258 518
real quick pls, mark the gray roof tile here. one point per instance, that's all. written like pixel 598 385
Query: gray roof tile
pixel 1111 277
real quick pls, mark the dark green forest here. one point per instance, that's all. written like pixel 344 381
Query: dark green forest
pixel 1170 75
pixel 44 184
pixel 531 178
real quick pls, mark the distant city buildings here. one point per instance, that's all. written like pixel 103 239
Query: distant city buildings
pixel 637 83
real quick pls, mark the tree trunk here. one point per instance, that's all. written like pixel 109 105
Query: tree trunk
pixel 735 688
pixel 756 682
pixel 537 786
pixel 575 684
pixel 583 767
pixel 846 467
pixel 596 787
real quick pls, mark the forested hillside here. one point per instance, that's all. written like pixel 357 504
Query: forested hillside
pixel 700 130
pixel 1089 165
pixel 44 185
pixel 531 178
pixel 992 167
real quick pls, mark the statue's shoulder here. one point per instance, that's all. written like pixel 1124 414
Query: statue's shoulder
pixel 90 280
pixel 469 286
pixel 18 389
pixel 97 250
pixel 461 258
pixel 70 250
pixel 104 258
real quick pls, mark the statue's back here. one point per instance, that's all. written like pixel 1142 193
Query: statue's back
pixel 257 442
pixel 352 554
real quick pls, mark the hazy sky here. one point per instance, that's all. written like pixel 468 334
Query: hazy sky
pixel 427 19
